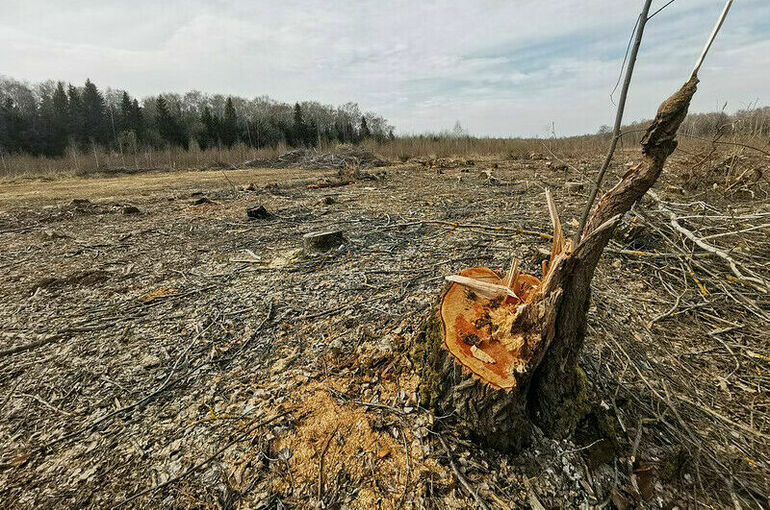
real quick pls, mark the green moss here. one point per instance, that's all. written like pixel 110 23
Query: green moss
pixel 596 430
pixel 427 355
pixel 574 408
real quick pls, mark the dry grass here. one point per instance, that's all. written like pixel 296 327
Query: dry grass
pixel 589 148
pixel 101 161
pixel 405 148
pixel 44 190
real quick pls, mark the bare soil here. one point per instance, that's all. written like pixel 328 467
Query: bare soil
pixel 185 356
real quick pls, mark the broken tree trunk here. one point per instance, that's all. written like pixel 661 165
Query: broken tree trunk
pixel 500 353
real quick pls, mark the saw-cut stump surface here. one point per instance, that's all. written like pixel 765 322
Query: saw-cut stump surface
pixel 483 412
pixel 482 334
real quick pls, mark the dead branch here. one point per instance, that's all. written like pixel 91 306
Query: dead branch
pixel 460 478
pixel 754 280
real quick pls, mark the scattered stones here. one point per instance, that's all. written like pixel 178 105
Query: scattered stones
pixel 258 213
pixel 323 241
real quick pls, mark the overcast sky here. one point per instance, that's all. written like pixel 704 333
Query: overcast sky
pixel 499 67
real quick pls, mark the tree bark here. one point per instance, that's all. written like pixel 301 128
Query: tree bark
pixel 551 391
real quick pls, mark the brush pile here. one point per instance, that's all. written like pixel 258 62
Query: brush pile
pixel 344 156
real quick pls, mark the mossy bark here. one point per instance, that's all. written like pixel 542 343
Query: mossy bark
pixel 488 415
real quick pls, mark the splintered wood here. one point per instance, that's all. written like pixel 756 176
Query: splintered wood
pixel 487 319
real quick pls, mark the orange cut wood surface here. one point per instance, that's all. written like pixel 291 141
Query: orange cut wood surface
pixel 471 320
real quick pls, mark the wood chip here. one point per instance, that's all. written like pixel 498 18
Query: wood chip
pixel 481 355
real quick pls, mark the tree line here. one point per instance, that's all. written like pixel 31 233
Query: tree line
pixel 752 122
pixel 52 118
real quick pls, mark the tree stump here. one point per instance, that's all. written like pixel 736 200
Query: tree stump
pixel 500 353
pixel 258 212
pixel 323 241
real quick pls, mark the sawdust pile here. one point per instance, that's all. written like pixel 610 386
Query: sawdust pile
pixel 352 447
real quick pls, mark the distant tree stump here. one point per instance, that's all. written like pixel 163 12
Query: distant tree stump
pixel 258 213
pixel 323 241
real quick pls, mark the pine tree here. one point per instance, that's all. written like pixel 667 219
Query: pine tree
pixel 75 120
pixel 96 125
pixel 52 129
pixel 298 130
pixel 126 114
pixel 364 131
pixel 229 127
pixel 207 138
pixel 312 134
pixel 137 120
pixel 169 127
pixel 164 120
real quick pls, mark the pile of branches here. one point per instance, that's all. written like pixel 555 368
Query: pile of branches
pixel 340 158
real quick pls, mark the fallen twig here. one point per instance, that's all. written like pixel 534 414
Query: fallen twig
pixel 321 464
pixel 460 478
pixel 29 346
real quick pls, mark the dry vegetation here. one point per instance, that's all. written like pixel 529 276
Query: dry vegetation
pixel 185 356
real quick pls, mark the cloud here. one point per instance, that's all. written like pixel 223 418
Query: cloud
pixel 500 67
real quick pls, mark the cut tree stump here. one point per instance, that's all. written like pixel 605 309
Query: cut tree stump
pixel 323 241
pixel 500 353
pixel 573 186
pixel 258 213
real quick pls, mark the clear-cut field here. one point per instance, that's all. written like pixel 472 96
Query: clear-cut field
pixel 186 355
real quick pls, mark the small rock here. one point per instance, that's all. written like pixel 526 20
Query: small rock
pixel 328 201
pixel 129 209
pixel 80 202
pixel 336 346
pixel 258 213
pixel 150 360
pixel 201 201
pixel 323 241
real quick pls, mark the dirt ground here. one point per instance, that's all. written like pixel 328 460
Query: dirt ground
pixel 184 356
